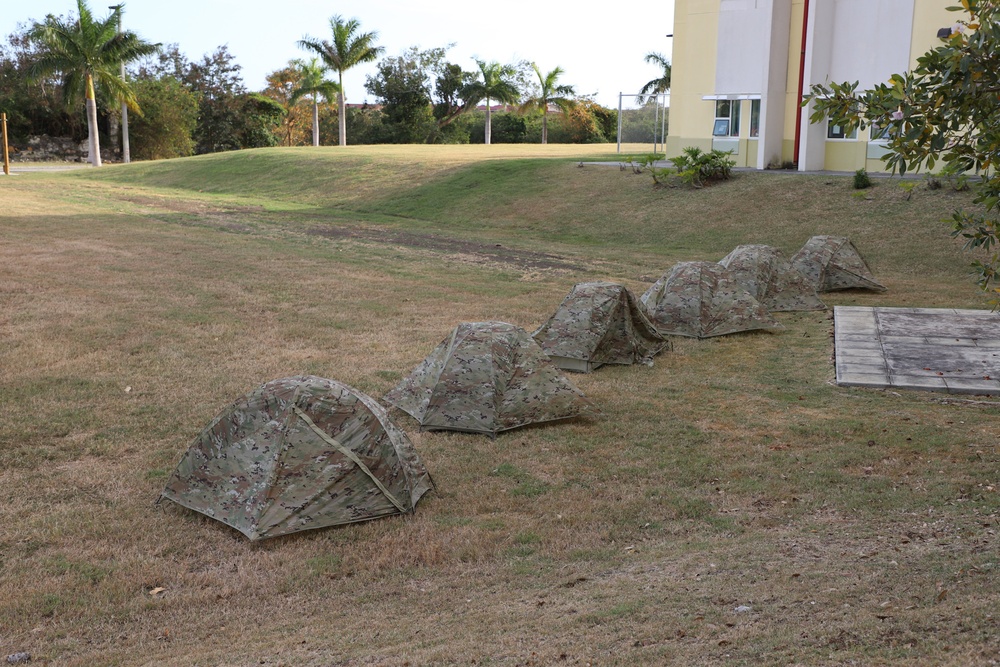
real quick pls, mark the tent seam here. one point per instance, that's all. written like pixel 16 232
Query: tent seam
pixel 349 454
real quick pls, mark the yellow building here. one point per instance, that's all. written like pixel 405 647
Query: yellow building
pixel 740 68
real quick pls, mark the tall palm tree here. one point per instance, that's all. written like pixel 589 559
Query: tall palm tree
pixel 660 84
pixel 345 51
pixel 550 93
pixel 497 84
pixel 312 83
pixel 86 52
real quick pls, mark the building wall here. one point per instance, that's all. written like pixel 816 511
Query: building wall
pixel 694 48
pixel 751 49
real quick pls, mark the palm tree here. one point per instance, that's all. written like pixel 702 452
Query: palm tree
pixel 658 85
pixel 550 94
pixel 86 52
pixel 496 85
pixel 312 83
pixel 345 51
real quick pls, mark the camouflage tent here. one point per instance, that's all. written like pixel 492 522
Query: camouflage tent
pixel 702 299
pixel 833 263
pixel 296 454
pixel 599 323
pixel 767 274
pixel 487 377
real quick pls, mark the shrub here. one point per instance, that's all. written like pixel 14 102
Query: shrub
pixel 862 180
pixel 956 177
pixel 697 168
pixel 637 165
pixel 168 120
pixel 505 128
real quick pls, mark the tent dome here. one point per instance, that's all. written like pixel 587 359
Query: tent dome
pixel 702 299
pixel 296 454
pixel 599 323
pixel 487 377
pixel 767 274
pixel 833 263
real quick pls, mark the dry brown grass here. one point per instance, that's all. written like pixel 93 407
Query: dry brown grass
pixel 859 526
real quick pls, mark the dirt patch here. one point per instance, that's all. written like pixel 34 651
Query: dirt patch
pixel 493 253
pixel 217 216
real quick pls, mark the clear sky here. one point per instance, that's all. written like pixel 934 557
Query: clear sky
pixel 600 44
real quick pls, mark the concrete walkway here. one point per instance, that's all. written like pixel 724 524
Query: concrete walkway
pixel 26 167
pixel 932 349
pixel 660 164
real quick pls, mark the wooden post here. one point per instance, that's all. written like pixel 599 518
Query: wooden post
pixel 6 154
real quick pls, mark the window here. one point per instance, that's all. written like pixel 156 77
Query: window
pixel 727 118
pixel 754 118
pixel 879 134
pixel 841 131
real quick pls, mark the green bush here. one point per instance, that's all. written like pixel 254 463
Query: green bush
pixel 505 127
pixel 166 125
pixel 642 163
pixel 696 168
pixel 862 180
pixel 956 177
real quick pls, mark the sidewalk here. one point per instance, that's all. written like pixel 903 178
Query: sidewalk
pixel 27 167
pixel 660 164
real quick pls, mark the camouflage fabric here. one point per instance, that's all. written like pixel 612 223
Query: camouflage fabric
pixel 833 263
pixel 599 323
pixel 297 454
pixel 487 377
pixel 702 299
pixel 767 274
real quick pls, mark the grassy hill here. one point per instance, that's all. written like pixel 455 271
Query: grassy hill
pixel 137 301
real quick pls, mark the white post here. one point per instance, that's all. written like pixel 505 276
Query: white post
pixel 656 118
pixel 663 122
pixel 619 122
pixel 126 157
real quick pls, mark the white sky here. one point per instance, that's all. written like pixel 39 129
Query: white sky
pixel 600 44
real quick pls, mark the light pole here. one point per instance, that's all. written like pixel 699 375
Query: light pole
pixel 126 158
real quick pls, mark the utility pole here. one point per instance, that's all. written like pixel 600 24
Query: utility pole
pixel 126 157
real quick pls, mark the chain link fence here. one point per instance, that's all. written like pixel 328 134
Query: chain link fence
pixel 643 122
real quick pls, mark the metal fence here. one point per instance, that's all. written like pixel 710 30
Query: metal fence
pixel 643 119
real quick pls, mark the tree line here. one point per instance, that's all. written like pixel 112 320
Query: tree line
pixel 182 107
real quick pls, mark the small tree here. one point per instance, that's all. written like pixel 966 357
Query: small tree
pixel 586 123
pixel 496 84
pixel 217 81
pixel 402 85
pixel 258 121
pixel 86 53
pixel 280 86
pixel 449 88
pixel 312 83
pixel 170 115
pixel 552 93
pixel 946 109
pixel 347 49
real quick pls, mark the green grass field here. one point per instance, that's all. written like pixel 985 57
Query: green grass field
pixel 137 301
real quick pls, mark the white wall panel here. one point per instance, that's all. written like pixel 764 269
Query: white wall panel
pixel 742 47
pixel 870 40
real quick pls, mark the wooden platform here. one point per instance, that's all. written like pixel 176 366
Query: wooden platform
pixel 932 349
